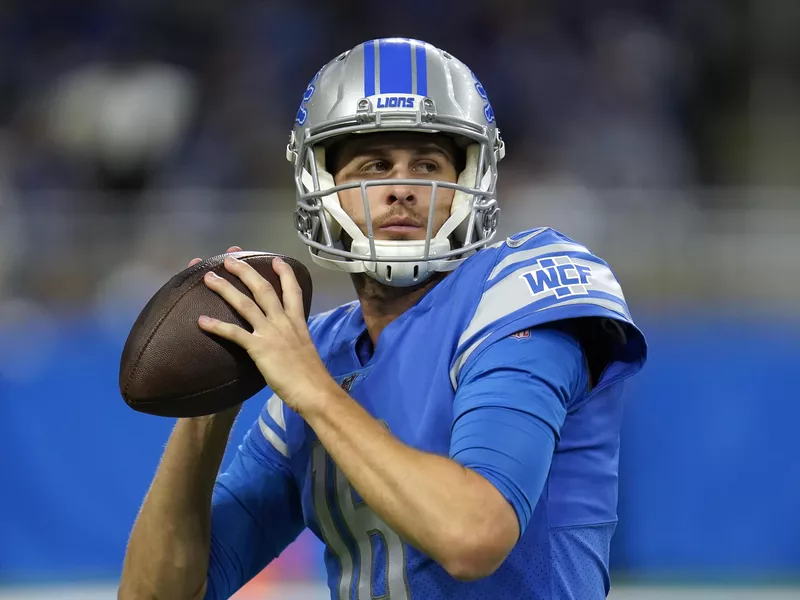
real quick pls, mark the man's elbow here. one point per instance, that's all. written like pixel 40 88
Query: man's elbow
pixel 474 557
pixel 471 568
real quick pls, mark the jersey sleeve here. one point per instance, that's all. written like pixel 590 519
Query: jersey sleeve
pixel 256 510
pixel 509 408
pixel 542 277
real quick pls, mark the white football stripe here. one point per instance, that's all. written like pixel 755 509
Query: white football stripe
pixel 273 438
pixel 275 410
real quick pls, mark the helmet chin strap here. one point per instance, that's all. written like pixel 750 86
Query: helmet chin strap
pixel 386 271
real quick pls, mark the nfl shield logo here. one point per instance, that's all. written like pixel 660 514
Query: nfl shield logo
pixel 347 382
pixel 521 335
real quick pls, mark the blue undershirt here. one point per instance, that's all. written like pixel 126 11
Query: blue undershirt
pixel 509 408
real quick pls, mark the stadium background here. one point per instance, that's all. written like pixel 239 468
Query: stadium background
pixel 135 135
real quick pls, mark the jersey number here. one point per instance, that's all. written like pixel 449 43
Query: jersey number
pixel 364 527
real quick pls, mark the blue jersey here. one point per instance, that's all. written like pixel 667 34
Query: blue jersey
pixel 432 367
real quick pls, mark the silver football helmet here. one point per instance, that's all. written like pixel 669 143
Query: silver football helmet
pixel 395 84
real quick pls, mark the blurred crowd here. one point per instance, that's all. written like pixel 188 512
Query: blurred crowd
pixel 125 95
pixel 114 113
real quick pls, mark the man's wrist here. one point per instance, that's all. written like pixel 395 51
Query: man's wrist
pixel 319 399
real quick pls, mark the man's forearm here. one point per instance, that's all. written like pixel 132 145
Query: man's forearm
pixel 440 507
pixel 168 550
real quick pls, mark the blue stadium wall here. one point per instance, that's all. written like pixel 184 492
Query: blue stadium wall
pixel 709 484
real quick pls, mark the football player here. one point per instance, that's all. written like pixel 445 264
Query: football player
pixel 451 434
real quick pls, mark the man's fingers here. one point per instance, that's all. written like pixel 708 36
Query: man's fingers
pixel 194 261
pixel 241 303
pixel 262 290
pixel 229 331
pixel 292 292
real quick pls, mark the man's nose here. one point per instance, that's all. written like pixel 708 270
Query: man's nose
pixel 400 192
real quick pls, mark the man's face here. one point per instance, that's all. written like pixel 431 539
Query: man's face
pixel 399 212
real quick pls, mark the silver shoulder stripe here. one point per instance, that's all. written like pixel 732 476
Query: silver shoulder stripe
pixel 531 254
pixel 512 293
pixel 609 304
pixel 516 243
pixel 462 359
pixel 275 410
pixel 273 438
pixel 603 279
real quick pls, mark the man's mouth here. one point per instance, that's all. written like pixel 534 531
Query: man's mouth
pixel 400 225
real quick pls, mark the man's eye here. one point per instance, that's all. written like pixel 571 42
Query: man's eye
pixel 375 166
pixel 427 166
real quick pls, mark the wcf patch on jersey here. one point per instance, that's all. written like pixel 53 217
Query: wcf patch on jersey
pixel 558 275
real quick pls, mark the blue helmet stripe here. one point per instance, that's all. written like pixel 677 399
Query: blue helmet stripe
pixel 395 66
pixel 369 69
pixel 422 70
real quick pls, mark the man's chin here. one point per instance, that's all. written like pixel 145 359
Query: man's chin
pixel 400 236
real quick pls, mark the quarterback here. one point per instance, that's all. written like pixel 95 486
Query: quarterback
pixel 453 433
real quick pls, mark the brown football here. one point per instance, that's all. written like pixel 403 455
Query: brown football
pixel 172 368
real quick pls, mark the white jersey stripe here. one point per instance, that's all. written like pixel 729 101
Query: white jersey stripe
pixel 273 438
pixel 275 410
pixel 524 255
pixel 454 372
pixel 609 304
